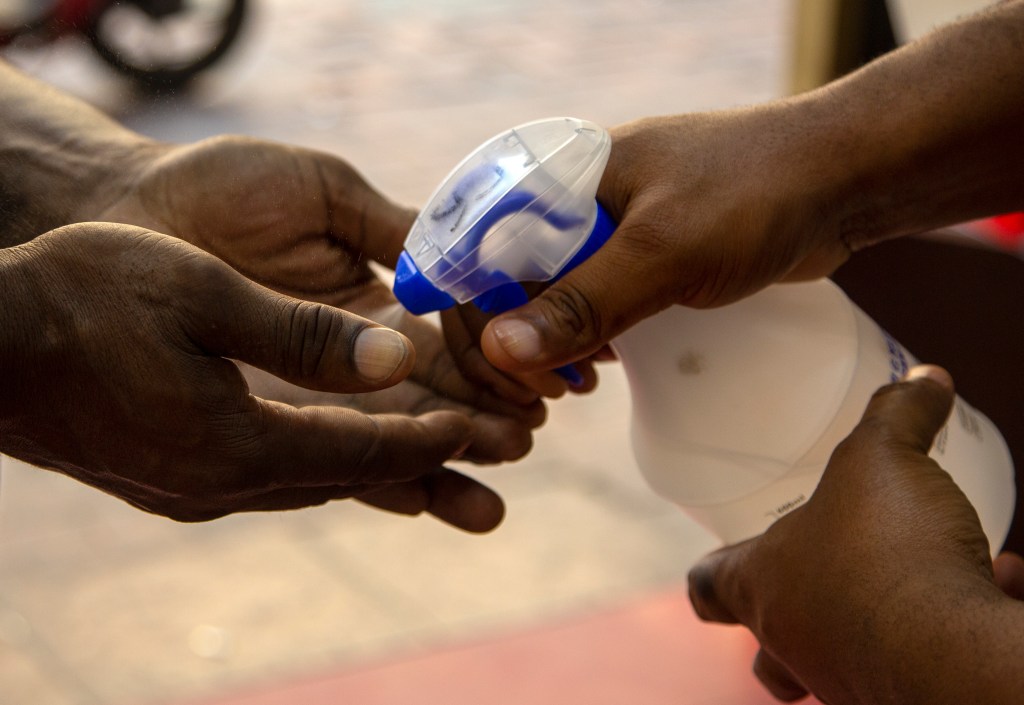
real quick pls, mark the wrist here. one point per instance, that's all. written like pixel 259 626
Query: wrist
pixel 61 161
pixel 46 187
pixel 918 641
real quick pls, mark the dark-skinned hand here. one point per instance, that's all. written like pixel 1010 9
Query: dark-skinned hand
pixel 124 339
pixel 306 224
pixel 880 588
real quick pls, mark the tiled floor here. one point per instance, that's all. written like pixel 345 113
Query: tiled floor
pixel 101 604
pixel 651 651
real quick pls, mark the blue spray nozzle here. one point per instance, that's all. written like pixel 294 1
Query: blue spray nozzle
pixel 415 291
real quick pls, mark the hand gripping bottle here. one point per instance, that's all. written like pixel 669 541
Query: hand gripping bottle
pixel 736 410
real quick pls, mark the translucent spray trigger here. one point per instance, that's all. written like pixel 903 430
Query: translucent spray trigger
pixel 736 410
pixel 520 208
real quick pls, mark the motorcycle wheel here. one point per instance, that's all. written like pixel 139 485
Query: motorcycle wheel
pixel 162 49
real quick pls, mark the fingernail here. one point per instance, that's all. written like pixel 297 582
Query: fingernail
pixel 935 374
pixel 378 352
pixel 518 338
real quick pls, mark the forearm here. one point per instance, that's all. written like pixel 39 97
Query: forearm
pixel 60 159
pixel 930 135
pixel 20 340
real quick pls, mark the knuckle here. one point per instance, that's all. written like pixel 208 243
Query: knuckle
pixel 888 392
pixel 652 239
pixel 366 457
pixel 573 310
pixel 310 330
pixel 203 284
pixel 236 446
pixel 862 448
pixel 206 280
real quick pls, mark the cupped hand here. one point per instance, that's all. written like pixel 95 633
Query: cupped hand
pixel 123 341
pixel 711 208
pixel 827 589
pixel 298 221
pixel 306 224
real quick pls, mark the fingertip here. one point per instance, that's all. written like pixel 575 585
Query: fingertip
pixel 911 412
pixel 382 356
pixel 587 381
pixel 1008 571
pixel 931 372
pixel 464 503
pixel 511 343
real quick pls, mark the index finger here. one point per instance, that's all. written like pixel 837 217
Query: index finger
pixel 716 585
pixel 452 497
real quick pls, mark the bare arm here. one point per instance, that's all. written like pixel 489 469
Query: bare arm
pixel 60 159
pixel 927 136
pixel 714 206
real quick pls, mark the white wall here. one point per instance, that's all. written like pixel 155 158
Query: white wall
pixel 912 18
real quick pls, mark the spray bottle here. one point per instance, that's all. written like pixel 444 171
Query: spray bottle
pixel 736 410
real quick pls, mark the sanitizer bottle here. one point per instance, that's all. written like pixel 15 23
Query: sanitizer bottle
pixel 736 410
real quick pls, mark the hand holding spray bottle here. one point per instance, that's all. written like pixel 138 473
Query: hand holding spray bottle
pixel 736 410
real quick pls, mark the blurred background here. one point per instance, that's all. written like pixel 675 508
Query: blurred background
pixel 580 595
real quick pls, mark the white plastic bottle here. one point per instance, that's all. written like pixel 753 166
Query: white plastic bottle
pixel 736 410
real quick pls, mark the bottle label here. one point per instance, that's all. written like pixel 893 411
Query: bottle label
pixel 967 419
pixel 786 507
pixel 898 364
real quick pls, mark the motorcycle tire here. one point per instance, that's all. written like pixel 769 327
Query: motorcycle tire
pixel 164 75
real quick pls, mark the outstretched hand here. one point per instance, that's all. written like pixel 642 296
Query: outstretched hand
pixel 306 224
pixel 131 387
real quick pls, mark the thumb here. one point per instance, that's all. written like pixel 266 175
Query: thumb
pixel 309 344
pixel 897 428
pixel 574 317
pixel 366 220
pixel 909 414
